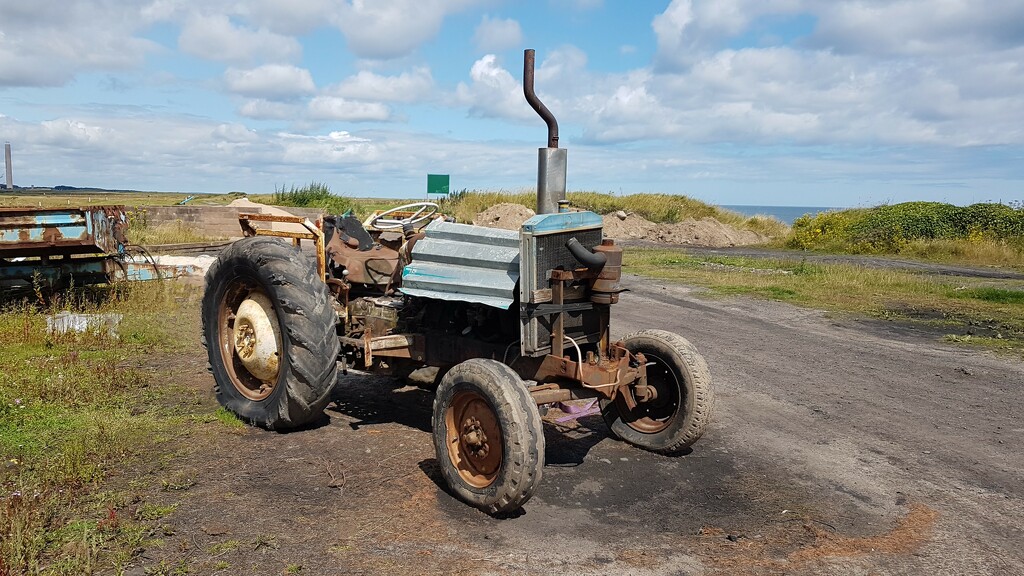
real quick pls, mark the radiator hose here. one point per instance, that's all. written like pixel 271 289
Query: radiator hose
pixel 591 260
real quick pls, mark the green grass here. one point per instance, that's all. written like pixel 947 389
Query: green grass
pixel 848 288
pixel 74 408
pixel 56 199
pixel 994 295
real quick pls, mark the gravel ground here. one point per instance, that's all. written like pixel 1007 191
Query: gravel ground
pixel 838 447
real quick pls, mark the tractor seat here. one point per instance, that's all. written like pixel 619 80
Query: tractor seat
pixel 350 231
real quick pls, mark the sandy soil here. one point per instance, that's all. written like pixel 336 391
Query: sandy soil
pixel 704 232
pixel 506 215
pixel 839 446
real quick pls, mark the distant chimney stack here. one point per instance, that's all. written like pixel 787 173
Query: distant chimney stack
pixel 10 172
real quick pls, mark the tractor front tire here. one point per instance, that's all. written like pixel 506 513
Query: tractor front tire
pixel 679 414
pixel 488 436
pixel 269 331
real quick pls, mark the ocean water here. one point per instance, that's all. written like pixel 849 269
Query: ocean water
pixel 785 213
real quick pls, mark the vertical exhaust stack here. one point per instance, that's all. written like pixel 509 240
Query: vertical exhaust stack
pixel 10 170
pixel 551 161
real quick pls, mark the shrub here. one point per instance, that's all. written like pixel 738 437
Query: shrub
pixel 916 228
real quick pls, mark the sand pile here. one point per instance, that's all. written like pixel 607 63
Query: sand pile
pixel 622 226
pixel 506 215
pixel 704 232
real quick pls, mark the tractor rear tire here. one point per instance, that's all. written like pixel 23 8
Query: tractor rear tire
pixel 488 436
pixel 680 413
pixel 268 283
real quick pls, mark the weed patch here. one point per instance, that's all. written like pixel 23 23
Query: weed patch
pixel 73 408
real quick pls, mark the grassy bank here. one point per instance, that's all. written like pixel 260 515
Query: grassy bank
pixel 983 234
pixel 964 310
pixel 80 410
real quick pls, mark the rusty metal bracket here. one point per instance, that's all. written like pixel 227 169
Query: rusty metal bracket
pixel 314 232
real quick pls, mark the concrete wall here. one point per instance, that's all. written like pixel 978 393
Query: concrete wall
pixel 221 221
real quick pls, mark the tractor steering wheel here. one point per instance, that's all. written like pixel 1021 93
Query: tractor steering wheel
pixel 380 221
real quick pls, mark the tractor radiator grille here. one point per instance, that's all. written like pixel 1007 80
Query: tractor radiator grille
pixel 552 254
pixel 542 254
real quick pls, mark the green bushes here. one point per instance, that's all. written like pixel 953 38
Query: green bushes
pixel 910 227
pixel 312 195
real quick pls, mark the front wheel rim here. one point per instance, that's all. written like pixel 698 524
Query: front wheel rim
pixel 474 443
pixel 657 415
pixel 250 344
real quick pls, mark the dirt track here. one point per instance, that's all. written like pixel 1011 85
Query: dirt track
pixel 838 447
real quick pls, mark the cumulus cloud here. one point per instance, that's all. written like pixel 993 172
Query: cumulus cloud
pixel 48 42
pixel 918 27
pixel 216 37
pixel 497 34
pixel 413 86
pixel 270 81
pixel 387 30
pixel 492 92
pixel 337 108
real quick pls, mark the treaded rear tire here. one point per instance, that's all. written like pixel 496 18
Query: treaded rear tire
pixel 522 435
pixel 308 367
pixel 695 396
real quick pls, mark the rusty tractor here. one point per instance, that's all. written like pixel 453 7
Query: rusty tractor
pixel 513 320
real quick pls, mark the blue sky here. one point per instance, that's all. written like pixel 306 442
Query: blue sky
pixel 766 102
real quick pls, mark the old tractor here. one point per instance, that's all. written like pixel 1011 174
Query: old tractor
pixel 513 320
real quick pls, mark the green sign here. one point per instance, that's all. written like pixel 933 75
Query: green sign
pixel 437 184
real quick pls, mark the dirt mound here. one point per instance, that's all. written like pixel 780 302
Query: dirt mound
pixel 505 215
pixel 704 232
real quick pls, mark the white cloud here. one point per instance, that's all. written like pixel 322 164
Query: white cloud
pixel 412 86
pixel 270 81
pixel 260 109
pixel 336 108
pixel 497 34
pixel 334 148
pixel 48 42
pixel 215 37
pixel 918 27
pixel 492 92
pixel 387 30
pixel 292 17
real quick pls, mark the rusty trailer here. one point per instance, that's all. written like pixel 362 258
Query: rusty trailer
pixel 56 247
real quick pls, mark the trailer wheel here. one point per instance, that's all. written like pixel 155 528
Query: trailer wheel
pixel 269 332
pixel 681 409
pixel 488 436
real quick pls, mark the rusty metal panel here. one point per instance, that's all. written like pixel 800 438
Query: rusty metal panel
pixel 50 232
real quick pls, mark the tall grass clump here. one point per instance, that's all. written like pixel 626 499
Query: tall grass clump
pixel 141 232
pixel 73 408
pixel 983 233
pixel 312 195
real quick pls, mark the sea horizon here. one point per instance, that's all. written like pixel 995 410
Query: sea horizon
pixel 786 214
